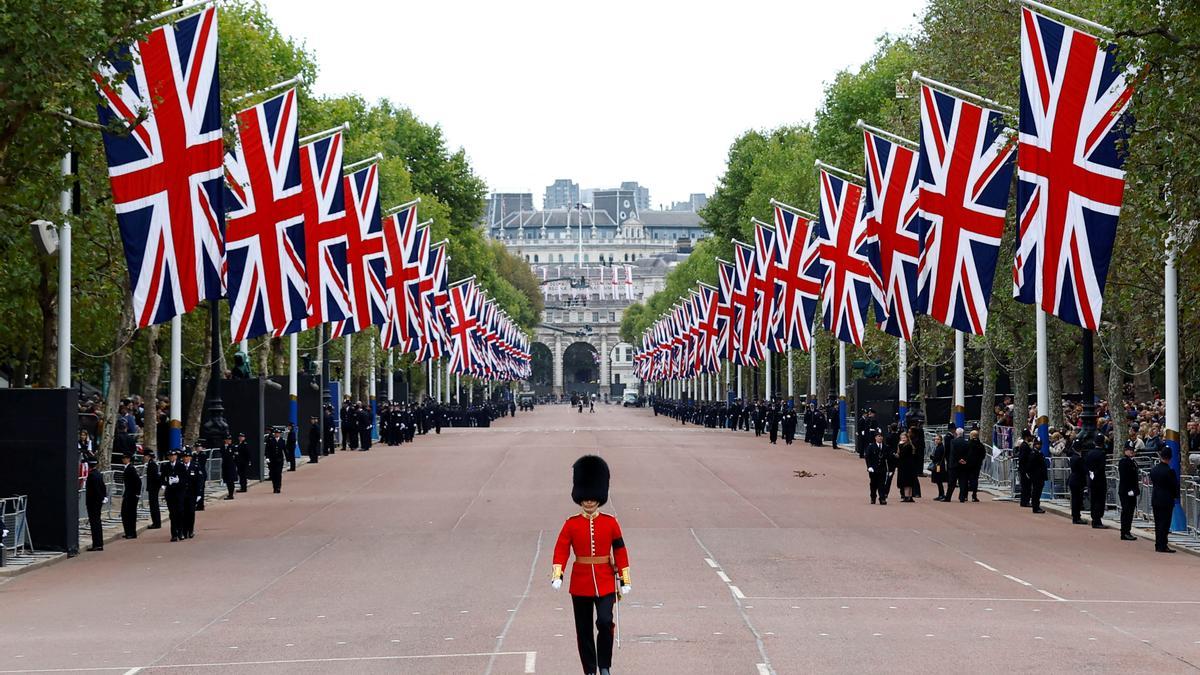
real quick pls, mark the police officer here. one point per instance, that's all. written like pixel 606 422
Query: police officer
pixel 131 495
pixel 176 492
pixel 95 496
pixel 1077 482
pixel 876 456
pixel 1022 454
pixel 190 478
pixel 274 454
pixel 329 433
pixel 229 465
pixel 290 448
pixel 789 426
pixel 153 486
pixel 1037 476
pixel 365 426
pixel 314 439
pixel 242 448
pixel 1128 488
pixel 1162 499
pixel 1096 461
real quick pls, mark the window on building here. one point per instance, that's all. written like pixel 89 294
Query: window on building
pixel 628 354
pixel 586 256
pixel 612 317
pixel 595 317
pixel 535 257
pixel 626 257
pixel 560 257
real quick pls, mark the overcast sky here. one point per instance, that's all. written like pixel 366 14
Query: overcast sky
pixel 599 92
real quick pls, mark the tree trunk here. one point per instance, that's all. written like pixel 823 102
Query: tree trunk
pixel 195 410
pixel 119 379
pixel 47 304
pixel 1115 385
pixel 22 366
pixel 1020 383
pixel 150 391
pixel 1054 382
pixel 264 356
pixel 987 406
pixel 1143 389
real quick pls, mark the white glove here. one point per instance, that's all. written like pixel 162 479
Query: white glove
pixel 1091 475
pixel 105 501
pixel 1131 493
pixel 556 584
pixel 199 499
pixel 625 589
pixel 870 469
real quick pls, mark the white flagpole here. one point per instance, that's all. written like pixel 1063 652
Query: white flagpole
pixel 176 437
pixel 346 370
pixel 903 377
pixel 767 383
pixel 391 375
pixel 293 388
pixel 457 387
pixel 64 280
pixel 1171 390
pixel 812 372
pixel 1043 386
pixel 371 387
pixel 791 378
pixel 739 379
pixel 960 382
pixel 843 437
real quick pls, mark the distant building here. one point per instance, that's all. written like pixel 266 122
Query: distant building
pixel 562 194
pixel 504 206
pixel 695 202
pixel 641 195
pixel 619 204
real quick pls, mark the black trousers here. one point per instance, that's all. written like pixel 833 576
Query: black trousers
pixel 175 513
pixel 973 483
pixel 1076 503
pixel 277 478
pixel 129 506
pixel 1099 493
pixel 594 652
pixel 97 527
pixel 243 474
pixel 1162 525
pixel 959 479
pixel 230 484
pixel 188 526
pixel 879 485
pixel 1035 493
pixel 1128 505
pixel 155 513
pixel 1025 491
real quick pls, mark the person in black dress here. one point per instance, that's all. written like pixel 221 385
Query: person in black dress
pixel 908 469
pixel 937 466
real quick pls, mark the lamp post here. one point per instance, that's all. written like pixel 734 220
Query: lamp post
pixel 215 427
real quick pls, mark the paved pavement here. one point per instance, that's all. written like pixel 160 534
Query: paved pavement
pixel 434 558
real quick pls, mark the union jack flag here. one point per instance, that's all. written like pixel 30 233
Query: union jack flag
pixel 264 232
pixel 1070 168
pixel 748 351
pixel 965 167
pixel 407 247
pixel 709 332
pixel 891 209
pixel 325 222
pixel 846 250
pixel 463 326
pixel 166 175
pixel 799 270
pixel 365 258
pixel 433 305
pixel 768 289
pixel 726 345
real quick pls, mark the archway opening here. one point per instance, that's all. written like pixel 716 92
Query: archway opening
pixel 581 367
pixel 541 365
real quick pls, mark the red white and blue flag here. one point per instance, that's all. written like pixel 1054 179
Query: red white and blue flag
pixel 965 167
pixel 433 305
pixel 264 221
pixel 462 326
pixel 166 175
pixel 846 249
pixel 891 209
pixel 726 345
pixel 407 247
pixel 799 270
pixel 365 257
pixel 768 289
pixel 1070 168
pixel 747 349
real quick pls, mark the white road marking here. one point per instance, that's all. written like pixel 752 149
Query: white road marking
pixel 537 553
pixel 530 659
pixel 1052 596
pixel 133 671
pixel 1019 581
pixel 724 577
pixel 763 669
pixel 737 593
pixel 738 596
pixel 986 566
pixel 711 563
pixel 530 662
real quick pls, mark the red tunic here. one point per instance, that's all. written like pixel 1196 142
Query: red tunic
pixel 596 537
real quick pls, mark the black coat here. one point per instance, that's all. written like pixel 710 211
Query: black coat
pixel 1097 462
pixel 976 451
pixel 193 477
pixel 275 453
pixel 1078 478
pixel 880 458
pixel 1166 486
pixel 153 478
pixel 938 459
pixel 229 463
pixel 1127 478
pixel 132 482
pixel 960 452
pixel 175 478
pixel 95 490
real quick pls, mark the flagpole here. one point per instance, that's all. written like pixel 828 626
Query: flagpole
pixel 918 77
pixel 391 375
pixel 1171 390
pixel 351 168
pixel 346 369
pixel 66 198
pixel 767 384
pixel 173 11
pixel 344 126
pixel 960 382
pixel 429 378
pixel 791 378
pixel 903 377
pixel 371 387
pixel 266 90
pixel 739 379
pixel 293 389
pixel 812 371
pixel 843 437
pixel 1043 385
pixel 176 433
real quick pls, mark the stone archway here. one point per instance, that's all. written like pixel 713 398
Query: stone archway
pixel 542 365
pixel 581 367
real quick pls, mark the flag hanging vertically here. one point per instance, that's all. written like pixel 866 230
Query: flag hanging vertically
pixel 768 289
pixel 891 209
pixel 462 326
pixel 846 251
pixel 747 349
pixel 629 282
pixel 965 167
pixel 365 257
pixel 166 174
pixel 433 305
pixel 1070 168
pixel 726 313
pixel 799 270
pixel 407 251
pixel 264 221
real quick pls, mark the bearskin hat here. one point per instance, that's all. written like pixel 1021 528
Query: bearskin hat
pixel 590 480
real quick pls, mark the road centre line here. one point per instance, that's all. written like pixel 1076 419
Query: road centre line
pixel 765 666
pixel 537 553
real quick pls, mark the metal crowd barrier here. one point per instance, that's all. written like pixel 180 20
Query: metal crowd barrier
pixel 12 513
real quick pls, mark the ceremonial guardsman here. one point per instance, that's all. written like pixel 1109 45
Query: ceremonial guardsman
pixel 600 560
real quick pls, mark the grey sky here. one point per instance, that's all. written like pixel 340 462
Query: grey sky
pixel 600 92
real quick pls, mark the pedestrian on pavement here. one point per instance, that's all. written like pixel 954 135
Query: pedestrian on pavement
pixel 200 478
pixel 95 496
pixel 291 447
pixel 908 469
pixel 1162 499
pixel 1097 462
pixel 601 558
pixel 242 448
pixel 959 470
pixel 314 439
pixel 1128 489
pixel 229 462
pixel 274 454
pixel 1022 453
pixel 788 426
pixel 1077 482
pixel 976 452
pixel 176 493
pixel 366 425
pixel 153 487
pixel 937 467
pixel 1037 474
pixel 130 496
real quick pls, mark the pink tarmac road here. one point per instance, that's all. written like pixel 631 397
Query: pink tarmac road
pixel 434 557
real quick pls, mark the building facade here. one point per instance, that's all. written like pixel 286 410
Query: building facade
pixel 562 194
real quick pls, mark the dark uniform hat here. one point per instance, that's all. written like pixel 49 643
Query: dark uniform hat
pixel 590 480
